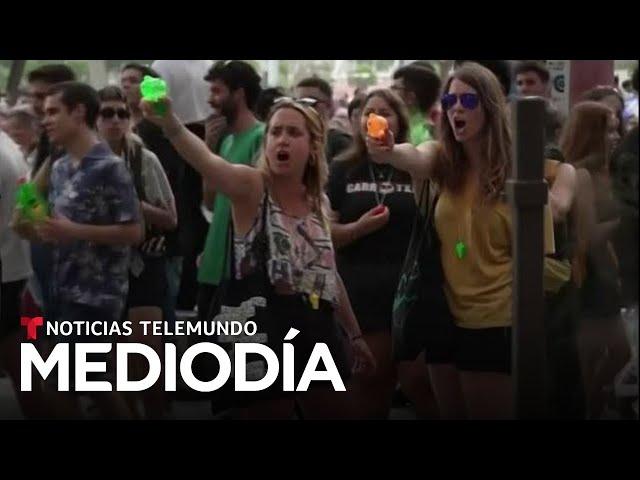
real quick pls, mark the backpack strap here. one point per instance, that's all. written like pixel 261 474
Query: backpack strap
pixel 135 163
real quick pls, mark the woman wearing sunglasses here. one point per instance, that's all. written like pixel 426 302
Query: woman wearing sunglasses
pixel 470 166
pixel 147 277
pixel 283 198
pixel 373 210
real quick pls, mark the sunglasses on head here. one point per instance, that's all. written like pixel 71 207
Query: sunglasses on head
pixel 108 113
pixel 468 100
pixel 305 101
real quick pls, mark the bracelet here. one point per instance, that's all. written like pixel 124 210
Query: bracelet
pixel 355 337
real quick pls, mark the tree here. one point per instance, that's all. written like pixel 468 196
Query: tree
pixel 364 75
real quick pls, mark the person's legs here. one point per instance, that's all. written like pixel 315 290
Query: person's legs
pixel 415 383
pixel 42 261
pixel 173 269
pixel 195 228
pixel 487 395
pixel 483 360
pixel 591 350
pixel 32 403
pixel 372 395
pixel 146 299
pixel 206 293
pixel 112 405
pixel 154 398
pixel 566 390
pixel 447 389
pixel 613 357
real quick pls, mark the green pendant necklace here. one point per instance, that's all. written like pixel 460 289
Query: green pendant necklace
pixel 460 248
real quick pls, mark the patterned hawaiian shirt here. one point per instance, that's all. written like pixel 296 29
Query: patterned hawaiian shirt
pixel 99 191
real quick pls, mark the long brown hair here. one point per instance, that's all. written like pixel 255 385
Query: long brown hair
pixel 358 149
pixel 598 94
pixel 452 165
pixel 584 145
pixel 584 138
pixel 316 172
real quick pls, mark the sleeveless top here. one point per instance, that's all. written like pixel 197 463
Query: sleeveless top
pixel 300 255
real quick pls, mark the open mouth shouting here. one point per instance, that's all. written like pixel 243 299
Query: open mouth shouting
pixel 459 125
pixel 282 156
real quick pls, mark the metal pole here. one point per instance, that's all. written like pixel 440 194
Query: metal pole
pixel 527 193
pixel 17 68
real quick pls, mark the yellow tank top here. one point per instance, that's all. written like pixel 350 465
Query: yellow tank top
pixel 478 286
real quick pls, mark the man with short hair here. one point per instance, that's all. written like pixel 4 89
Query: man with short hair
pixel 181 240
pixel 189 93
pixel 95 219
pixel 234 91
pixel 40 80
pixel 419 88
pixel 532 79
pixel 321 94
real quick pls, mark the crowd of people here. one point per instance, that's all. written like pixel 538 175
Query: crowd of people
pixel 157 212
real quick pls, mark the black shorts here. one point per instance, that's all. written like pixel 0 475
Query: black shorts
pixel 314 326
pixel 371 291
pixel 483 349
pixel 10 307
pixel 150 288
pixel 474 350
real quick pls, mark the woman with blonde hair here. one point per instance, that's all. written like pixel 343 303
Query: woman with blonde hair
pixel 283 199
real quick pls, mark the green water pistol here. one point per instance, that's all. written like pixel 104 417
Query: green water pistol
pixel 153 90
pixel 31 203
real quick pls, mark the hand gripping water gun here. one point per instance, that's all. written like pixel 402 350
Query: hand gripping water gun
pixel 377 126
pixel 30 202
pixel 153 90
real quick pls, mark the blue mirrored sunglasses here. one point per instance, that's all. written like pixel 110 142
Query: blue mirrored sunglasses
pixel 468 100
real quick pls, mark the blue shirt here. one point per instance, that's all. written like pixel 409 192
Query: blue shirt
pixel 99 191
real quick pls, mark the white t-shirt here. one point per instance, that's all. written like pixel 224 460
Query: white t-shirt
pixel 187 88
pixel 14 251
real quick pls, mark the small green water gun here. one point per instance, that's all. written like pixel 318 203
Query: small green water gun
pixel 31 203
pixel 153 90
